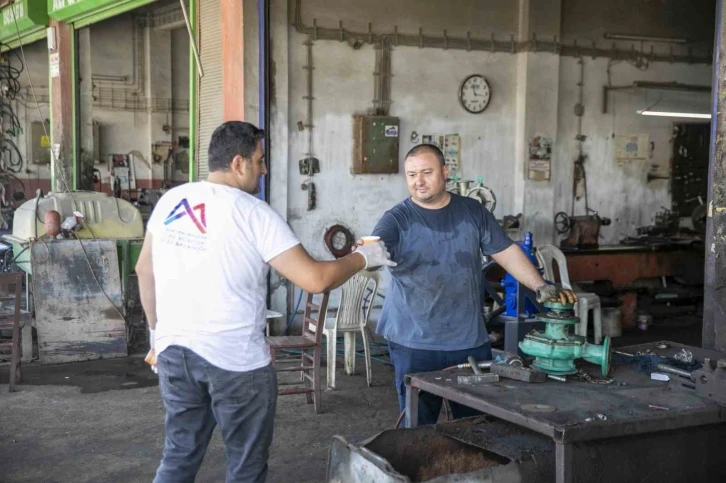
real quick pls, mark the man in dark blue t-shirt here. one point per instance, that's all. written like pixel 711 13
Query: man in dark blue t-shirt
pixel 432 315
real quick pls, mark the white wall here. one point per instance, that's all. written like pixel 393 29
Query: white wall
pixel 538 87
pixel 180 79
pixel 424 98
pixel 621 193
pixel 123 129
pixel 433 16
pixel 36 63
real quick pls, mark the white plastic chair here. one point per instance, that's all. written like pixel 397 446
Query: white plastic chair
pixel 547 255
pixel 351 319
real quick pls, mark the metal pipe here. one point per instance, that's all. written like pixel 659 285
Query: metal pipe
pixel 474 365
pixel 557 378
pixel 466 365
pixel 192 40
pixel 469 43
pixel 675 370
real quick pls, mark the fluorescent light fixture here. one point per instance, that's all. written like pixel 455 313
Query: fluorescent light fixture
pixel 692 115
pixel 667 40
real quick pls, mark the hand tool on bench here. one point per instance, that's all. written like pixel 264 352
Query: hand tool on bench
pixel 518 373
pixel 478 376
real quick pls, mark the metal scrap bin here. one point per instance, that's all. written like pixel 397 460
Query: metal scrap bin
pixel 477 449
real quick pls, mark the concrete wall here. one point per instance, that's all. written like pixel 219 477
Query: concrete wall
pixel 621 192
pixel 36 63
pixel 424 97
pixel 162 92
pixel 589 20
pixel 424 88
pixel 533 93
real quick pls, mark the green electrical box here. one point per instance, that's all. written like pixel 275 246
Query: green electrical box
pixel 375 144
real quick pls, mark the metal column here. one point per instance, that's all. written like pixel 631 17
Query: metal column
pixel 714 322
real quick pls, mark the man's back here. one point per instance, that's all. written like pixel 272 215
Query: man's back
pixel 210 247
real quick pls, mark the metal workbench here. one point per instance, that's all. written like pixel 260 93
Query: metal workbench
pixel 568 412
pixel 623 265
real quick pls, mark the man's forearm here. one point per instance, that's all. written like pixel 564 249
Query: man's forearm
pixel 335 273
pixel 514 261
pixel 147 293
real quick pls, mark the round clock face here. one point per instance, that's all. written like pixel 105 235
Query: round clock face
pixel 475 93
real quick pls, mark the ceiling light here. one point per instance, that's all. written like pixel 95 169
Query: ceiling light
pixel 643 38
pixel 692 115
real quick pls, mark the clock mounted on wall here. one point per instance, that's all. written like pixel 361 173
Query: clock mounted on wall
pixel 475 93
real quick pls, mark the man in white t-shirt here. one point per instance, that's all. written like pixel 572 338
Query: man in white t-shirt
pixel 202 277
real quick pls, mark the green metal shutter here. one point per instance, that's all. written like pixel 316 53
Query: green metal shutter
pixel 211 106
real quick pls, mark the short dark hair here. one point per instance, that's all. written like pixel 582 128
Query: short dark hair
pixel 229 140
pixel 426 148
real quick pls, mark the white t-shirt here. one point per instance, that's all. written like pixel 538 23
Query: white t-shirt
pixel 211 245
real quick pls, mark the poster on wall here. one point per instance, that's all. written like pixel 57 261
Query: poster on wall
pixel 452 154
pixel 54 61
pixel 539 167
pixel 631 147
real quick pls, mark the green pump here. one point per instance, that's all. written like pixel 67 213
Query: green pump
pixel 555 349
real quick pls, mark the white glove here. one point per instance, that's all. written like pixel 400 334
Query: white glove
pixel 375 254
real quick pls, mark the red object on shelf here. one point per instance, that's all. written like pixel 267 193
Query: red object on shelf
pixel 52 223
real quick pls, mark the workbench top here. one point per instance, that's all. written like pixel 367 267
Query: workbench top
pixel 579 410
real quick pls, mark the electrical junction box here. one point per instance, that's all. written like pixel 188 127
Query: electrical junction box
pixel 39 152
pixel 375 144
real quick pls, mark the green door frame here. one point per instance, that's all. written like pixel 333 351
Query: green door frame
pixel 83 13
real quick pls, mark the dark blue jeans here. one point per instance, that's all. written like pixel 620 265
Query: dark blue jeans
pixel 410 361
pixel 197 396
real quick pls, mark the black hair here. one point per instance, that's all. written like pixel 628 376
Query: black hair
pixel 426 148
pixel 229 140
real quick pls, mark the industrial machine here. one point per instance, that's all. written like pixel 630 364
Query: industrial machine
pixel 556 348
pixel 511 285
pixel 486 197
pixel 81 291
pixel 103 217
pixel 479 192
pixel 581 231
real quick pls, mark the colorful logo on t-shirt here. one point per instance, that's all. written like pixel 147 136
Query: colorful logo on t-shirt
pixel 184 209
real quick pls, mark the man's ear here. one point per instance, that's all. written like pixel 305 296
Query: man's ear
pixel 238 164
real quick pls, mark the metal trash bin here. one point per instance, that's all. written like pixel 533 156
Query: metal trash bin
pixel 479 449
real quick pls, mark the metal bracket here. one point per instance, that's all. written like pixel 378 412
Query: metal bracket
pixel 477 379
pixel 309 166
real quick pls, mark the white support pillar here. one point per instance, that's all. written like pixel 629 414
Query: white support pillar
pixel 538 75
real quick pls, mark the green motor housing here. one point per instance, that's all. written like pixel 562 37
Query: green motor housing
pixel 556 349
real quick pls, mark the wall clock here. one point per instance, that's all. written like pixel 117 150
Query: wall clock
pixel 475 94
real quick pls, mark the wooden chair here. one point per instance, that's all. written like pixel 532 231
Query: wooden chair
pixel 309 366
pixel 11 286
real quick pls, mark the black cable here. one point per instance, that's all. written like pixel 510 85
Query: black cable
pixel 22 185
pixel 8 147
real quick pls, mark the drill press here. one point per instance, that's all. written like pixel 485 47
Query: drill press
pixel 555 349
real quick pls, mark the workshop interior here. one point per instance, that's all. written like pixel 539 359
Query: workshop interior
pixel 592 131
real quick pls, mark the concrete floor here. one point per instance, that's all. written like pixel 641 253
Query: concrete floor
pixel 103 421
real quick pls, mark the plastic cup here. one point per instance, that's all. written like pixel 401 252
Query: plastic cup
pixel 369 239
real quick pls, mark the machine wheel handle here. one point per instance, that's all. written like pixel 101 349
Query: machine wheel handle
pixel 562 223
